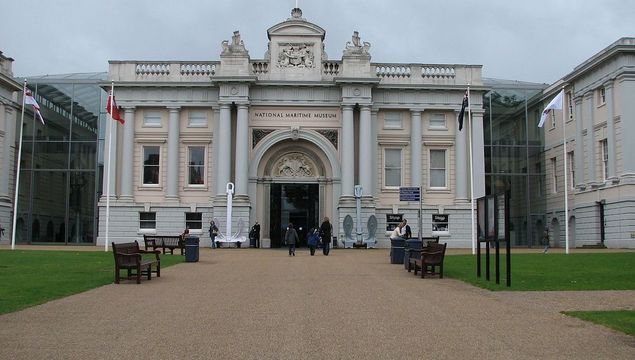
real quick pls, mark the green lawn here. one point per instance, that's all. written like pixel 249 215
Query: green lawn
pixel 538 272
pixel 623 320
pixel 31 277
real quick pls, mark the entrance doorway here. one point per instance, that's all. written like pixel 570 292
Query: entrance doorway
pixel 295 203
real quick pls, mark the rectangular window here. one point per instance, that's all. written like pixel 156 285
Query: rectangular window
pixel 437 121
pixel 392 167
pixel 602 96
pixel 392 120
pixel 194 221
pixel 151 165
pixel 440 223
pixel 152 119
pixel 197 119
pixel 571 164
pixel 437 169
pixel 147 221
pixel 605 158
pixel 554 175
pixel 196 165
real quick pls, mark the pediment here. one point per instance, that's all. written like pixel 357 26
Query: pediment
pixel 296 28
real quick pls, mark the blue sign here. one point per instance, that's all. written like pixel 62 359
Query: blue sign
pixel 412 193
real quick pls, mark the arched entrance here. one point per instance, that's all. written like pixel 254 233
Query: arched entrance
pixel 293 182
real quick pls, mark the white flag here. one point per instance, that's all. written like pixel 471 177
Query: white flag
pixel 29 99
pixel 556 103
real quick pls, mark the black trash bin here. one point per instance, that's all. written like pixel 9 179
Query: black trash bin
pixel 396 251
pixel 411 244
pixel 191 249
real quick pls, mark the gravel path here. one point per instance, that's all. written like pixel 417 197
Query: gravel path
pixel 353 304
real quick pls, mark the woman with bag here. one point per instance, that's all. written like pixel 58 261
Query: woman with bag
pixel 326 229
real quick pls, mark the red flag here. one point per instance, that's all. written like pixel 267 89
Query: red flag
pixel 29 99
pixel 115 109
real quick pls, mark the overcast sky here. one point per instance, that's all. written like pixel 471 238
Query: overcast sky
pixel 538 41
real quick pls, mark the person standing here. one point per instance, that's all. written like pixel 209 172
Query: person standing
pixel 396 233
pixel 326 231
pixel 213 231
pixel 255 235
pixel 291 238
pixel 406 232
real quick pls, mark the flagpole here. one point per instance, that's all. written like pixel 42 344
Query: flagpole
pixel 469 127
pixel 111 98
pixel 566 182
pixel 17 171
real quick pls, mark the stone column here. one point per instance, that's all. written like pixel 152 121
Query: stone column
pixel 578 156
pixel 365 150
pixel 610 127
pixel 224 149
pixel 415 148
pixel 110 159
pixel 590 140
pixel 373 142
pixel 461 176
pixel 347 151
pixel 7 158
pixel 242 150
pixel 173 154
pixel 627 114
pixel 127 154
pixel 215 152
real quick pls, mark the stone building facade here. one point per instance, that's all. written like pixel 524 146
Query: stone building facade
pixel 599 121
pixel 295 132
pixel 9 112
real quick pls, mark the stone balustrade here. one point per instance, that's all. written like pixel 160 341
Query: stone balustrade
pixel 331 68
pixel 259 67
pixel 388 73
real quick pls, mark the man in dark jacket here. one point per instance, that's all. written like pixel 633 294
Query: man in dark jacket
pixel 255 235
pixel 326 231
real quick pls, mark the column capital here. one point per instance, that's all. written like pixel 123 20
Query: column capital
pixel 609 84
pixel 129 107
pixel 578 99
pixel 347 107
pixel 242 106
pixel 173 109
pixel 224 106
pixel 588 94
pixel 416 111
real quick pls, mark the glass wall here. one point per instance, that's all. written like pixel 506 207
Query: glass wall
pixel 58 187
pixel 513 155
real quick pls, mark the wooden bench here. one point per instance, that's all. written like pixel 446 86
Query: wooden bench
pixel 164 242
pixel 409 258
pixel 431 257
pixel 128 256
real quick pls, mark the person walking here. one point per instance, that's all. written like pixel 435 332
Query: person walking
pixel 291 238
pixel 326 231
pixel 314 239
pixel 213 231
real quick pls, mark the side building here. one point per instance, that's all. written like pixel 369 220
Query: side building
pixel 295 133
pixel 599 122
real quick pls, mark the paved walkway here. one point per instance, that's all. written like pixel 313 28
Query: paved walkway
pixel 353 304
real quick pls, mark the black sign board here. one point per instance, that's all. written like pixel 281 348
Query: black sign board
pixel 439 218
pixel 394 218
pixel 412 193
